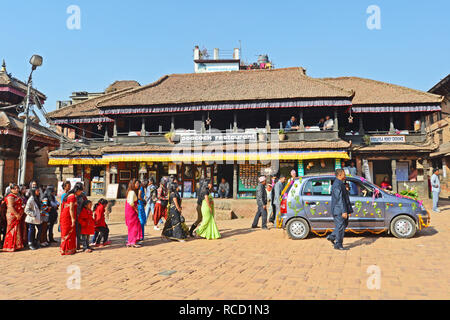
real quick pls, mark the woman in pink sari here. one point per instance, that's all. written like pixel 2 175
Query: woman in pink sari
pixel 131 215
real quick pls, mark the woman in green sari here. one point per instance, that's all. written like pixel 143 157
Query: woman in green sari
pixel 208 229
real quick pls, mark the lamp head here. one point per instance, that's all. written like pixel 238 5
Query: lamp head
pixel 36 61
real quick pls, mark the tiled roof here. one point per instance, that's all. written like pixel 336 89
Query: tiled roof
pixel 6 80
pixel 122 84
pixel 86 108
pixel 396 148
pixel 248 85
pixel 369 91
pixel 9 121
pixel 143 147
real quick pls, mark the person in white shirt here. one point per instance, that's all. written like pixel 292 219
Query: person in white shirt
pixel 435 189
pixel 329 123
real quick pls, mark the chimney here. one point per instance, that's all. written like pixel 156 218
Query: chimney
pixel 196 53
pixel 236 54
pixel 216 53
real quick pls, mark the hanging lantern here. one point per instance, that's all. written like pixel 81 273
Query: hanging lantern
pixel 350 119
pixel 208 120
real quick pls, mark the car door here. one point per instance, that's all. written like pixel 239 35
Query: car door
pixel 368 210
pixel 316 200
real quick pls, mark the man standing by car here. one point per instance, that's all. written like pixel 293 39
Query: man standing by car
pixel 279 186
pixel 261 201
pixel 435 189
pixel 340 209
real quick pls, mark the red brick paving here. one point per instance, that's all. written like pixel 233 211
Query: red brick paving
pixel 244 264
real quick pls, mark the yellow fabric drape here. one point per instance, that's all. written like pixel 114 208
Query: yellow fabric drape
pixel 201 157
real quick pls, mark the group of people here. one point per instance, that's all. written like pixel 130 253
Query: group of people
pixel 164 204
pixel 80 219
pixel 27 217
pixel 268 199
pixel 324 124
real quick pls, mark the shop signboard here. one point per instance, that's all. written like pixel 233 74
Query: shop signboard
pixel 218 137
pixel 387 139
pixel 111 192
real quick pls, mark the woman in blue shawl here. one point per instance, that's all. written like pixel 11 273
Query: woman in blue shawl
pixel 141 206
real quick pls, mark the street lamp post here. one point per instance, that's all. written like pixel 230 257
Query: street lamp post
pixel 35 61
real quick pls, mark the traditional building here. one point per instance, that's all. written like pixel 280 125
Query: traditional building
pixel 387 129
pixel 220 124
pixel 41 139
pixel 230 125
pixel 439 130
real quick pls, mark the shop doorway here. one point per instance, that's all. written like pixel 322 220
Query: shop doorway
pixel 225 171
pixel 381 169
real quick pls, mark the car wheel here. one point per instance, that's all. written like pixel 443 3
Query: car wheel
pixel 297 228
pixel 403 227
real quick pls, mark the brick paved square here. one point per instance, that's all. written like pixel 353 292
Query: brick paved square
pixel 238 267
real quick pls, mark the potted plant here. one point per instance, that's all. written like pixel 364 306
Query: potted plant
pixel 281 134
pixel 366 139
pixel 169 136
pixel 261 135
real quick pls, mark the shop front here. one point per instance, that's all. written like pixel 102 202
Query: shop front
pixel 405 167
pixel 240 169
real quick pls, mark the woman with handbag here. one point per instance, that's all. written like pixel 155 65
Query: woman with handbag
pixel 33 218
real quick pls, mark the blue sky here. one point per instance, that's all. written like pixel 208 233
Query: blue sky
pixel 143 40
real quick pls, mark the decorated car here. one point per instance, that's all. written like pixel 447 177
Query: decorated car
pixel 306 208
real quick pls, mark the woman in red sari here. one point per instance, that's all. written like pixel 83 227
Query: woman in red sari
pixel 67 220
pixel 161 204
pixel 14 213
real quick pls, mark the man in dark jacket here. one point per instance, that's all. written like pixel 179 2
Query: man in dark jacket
pixel 340 209
pixel 279 186
pixel 261 201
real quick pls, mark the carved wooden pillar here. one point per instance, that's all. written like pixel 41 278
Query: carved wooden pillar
pixel 394 175
pixel 235 180
pixel 301 125
pixel 115 128
pixel 143 131
pixel 391 123
pixel 336 124
pixel 361 125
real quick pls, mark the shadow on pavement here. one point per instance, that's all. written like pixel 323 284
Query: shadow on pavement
pixel 362 242
pixel 231 233
pixel 430 231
